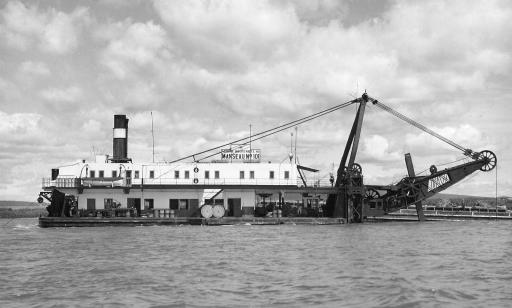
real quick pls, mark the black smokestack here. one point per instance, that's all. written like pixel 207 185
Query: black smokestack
pixel 120 141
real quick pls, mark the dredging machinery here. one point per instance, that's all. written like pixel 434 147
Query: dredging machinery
pixel 237 188
pixel 352 193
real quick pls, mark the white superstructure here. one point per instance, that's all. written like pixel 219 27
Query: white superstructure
pixel 237 180
pixel 158 183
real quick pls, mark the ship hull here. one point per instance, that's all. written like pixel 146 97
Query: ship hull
pixel 55 222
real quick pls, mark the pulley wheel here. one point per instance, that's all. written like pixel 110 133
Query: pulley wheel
pixel 433 169
pixel 356 168
pixel 490 160
pixel 371 194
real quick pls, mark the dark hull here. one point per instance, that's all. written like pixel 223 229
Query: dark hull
pixel 49 222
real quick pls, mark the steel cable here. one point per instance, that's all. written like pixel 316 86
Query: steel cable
pixel 267 132
pixel 417 125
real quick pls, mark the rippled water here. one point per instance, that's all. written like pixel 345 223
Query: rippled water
pixel 433 264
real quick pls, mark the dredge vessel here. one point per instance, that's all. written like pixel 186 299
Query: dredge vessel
pixel 236 187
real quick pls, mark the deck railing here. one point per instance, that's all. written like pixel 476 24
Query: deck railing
pixel 61 183
pixel 74 182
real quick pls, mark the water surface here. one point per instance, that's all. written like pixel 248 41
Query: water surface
pixel 433 264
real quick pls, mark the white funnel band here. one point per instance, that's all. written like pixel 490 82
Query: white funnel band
pixel 120 133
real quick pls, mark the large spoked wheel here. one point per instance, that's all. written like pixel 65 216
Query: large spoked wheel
pixel 490 160
pixel 356 169
pixel 371 194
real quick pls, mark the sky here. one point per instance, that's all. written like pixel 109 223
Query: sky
pixel 211 71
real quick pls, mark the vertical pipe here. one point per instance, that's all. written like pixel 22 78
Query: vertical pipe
pixel 496 191
pixel 296 135
pixel 153 136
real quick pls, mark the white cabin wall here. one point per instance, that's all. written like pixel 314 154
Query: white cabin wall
pixel 99 195
pixel 247 195
pixel 161 197
pixel 164 173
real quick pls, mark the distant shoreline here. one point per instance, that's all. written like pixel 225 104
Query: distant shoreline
pixel 22 212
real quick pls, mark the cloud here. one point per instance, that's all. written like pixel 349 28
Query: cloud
pixel 34 68
pixel 62 95
pixel 209 68
pixel 51 30
pixel 20 23
pixel 61 33
pixel 376 148
pixel 227 35
pixel 18 125
pixel 319 12
pixel 140 45
pixel 464 135
pixel 430 42
pixel 10 94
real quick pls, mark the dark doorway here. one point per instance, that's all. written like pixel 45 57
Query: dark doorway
pixel 91 205
pixel 134 203
pixel 234 207
pixel 128 177
pixel 149 204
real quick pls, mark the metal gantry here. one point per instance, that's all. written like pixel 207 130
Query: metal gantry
pixel 353 193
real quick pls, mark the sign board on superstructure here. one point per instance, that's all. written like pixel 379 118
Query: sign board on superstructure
pixel 243 155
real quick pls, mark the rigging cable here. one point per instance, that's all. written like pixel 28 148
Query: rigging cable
pixel 268 132
pixel 418 125
pixel 444 164
pixel 274 131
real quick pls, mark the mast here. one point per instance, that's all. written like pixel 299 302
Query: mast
pixel 153 136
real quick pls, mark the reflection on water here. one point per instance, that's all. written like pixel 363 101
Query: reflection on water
pixel 433 264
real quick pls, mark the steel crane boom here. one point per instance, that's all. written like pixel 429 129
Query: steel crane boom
pixel 352 194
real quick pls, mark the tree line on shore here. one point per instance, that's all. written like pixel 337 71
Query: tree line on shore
pixel 23 212
pixel 471 202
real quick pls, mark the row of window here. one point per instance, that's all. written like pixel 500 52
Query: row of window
pixel 174 204
pixel 101 174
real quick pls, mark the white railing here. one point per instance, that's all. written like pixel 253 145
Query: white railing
pixel 74 182
pixel 214 182
pixel 66 182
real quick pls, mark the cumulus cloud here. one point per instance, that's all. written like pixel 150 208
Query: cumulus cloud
pixel 140 45
pixel 60 33
pixel 464 135
pixel 377 149
pixel 59 95
pixel 227 35
pixel 209 68
pixel 24 26
pixel 34 68
pixel 18 125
